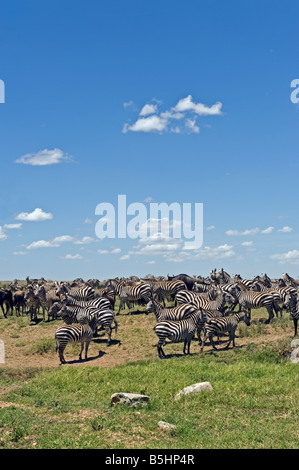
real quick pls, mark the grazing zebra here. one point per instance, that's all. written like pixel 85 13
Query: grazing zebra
pixel 207 314
pixel 75 334
pixel 292 304
pixel 201 302
pixel 19 301
pixel 83 293
pixel 248 300
pixel 6 300
pixel 177 331
pixel 215 326
pixel 175 313
pixel 129 293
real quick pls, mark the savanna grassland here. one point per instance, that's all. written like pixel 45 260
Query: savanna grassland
pixel 253 405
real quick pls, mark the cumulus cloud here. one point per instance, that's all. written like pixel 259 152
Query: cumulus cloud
pixel 124 257
pixel 37 215
pixel 44 157
pixel 268 230
pixel 150 120
pixel 3 235
pixel 291 257
pixel 285 229
pixel 12 226
pixel 247 243
pixel 58 241
pixel 252 231
pixel 73 256
pixel 187 104
pixel 211 227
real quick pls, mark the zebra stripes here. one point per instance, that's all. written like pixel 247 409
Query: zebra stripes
pixel 292 304
pixel 201 302
pixel 252 300
pixel 74 334
pixel 129 293
pixel 175 313
pixel 83 293
pixel 177 331
pixel 163 289
pixel 216 326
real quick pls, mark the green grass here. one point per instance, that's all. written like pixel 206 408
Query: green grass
pixel 254 404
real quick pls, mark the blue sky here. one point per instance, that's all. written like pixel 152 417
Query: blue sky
pixel 165 101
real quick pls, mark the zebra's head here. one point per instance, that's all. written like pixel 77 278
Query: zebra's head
pixel 61 290
pixel 150 307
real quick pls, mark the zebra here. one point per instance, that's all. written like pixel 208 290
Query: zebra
pixel 279 294
pixel 76 314
pixel 100 302
pixel 248 300
pixel 129 293
pixel 207 314
pixel 175 313
pixel 177 331
pixel 46 299
pixel 292 304
pixel 75 334
pixel 163 289
pixel 201 302
pixel 82 293
pixel 6 299
pixel 33 303
pixel 229 324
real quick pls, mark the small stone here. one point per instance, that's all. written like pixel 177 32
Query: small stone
pixel 130 399
pixel 195 388
pixel 168 426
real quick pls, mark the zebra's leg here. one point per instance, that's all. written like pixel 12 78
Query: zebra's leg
pixel 82 347
pixel 270 312
pixel 295 320
pixel 61 356
pixel 109 331
pixel 160 350
pixel 86 348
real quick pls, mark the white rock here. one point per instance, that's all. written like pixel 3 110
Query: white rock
pixel 195 388
pixel 130 399
pixel 168 426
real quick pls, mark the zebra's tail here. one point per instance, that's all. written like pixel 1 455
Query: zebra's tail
pixel 115 326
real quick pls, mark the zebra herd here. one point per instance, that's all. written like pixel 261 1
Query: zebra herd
pixel 199 305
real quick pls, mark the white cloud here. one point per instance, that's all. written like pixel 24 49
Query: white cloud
pixel 73 257
pixel 285 229
pixel 54 243
pixel 247 243
pixel 291 257
pixel 12 226
pixel 211 227
pixel 151 121
pixel 3 235
pixel 20 253
pixel 103 252
pixel 36 216
pixel 150 124
pixel 87 221
pixel 191 126
pixel 252 231
pixel 150 262
pixel 186 104
pixel 148 109
pixel 84 241
pixel 115 251
pixel 44 157
pixel 125 257
pixel 267 230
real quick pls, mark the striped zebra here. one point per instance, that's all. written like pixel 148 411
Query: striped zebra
pixel 82 293
pixel 164 289
pixel 46 298
pixel 229 324
pixel 129 293
pixel 75 314
pixel 175 313
pixel 99 302
pixel 248 300
pixel 292 304
pixel 75 334
pixel 32 303
pixel 279 294
pixel 201 302
pixel 177 331
pixel 207 314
